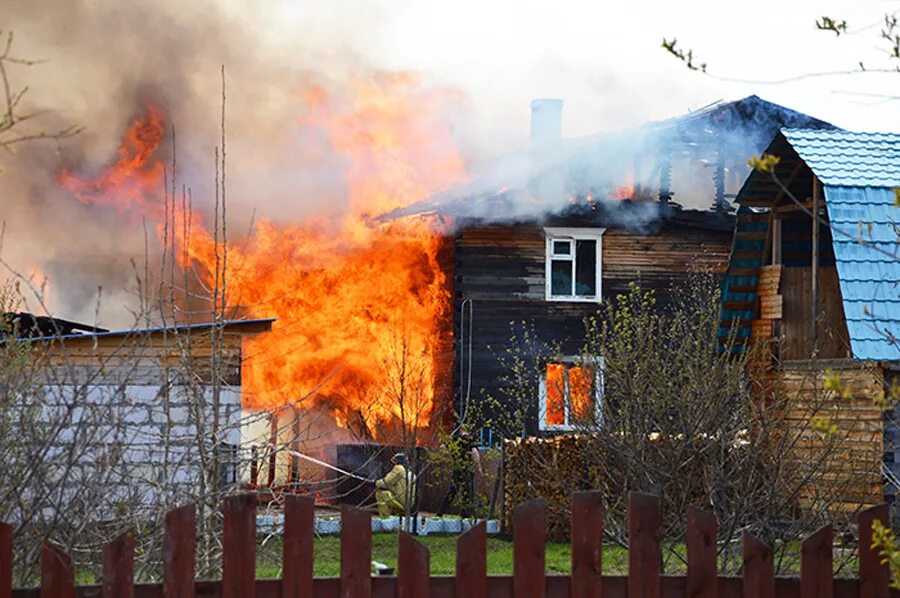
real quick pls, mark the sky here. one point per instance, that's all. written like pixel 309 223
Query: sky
pixel 605 61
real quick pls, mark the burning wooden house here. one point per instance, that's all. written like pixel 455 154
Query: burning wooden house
pixel 576 221
pixel 814 278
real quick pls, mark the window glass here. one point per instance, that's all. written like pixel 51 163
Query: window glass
pixel 570 394
pixel 581 393
pixel 586 268
pixel 560 277
pixel 562 247
pixel 555 414
pixel 572 264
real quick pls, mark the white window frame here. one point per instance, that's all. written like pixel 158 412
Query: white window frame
pixel 552 234
pixel 567 426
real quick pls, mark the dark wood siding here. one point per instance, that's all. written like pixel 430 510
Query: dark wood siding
pixel 501 271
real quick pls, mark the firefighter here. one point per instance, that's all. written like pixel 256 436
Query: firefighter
pixel 394 491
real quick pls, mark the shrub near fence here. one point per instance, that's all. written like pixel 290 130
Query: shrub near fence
pixel 529 579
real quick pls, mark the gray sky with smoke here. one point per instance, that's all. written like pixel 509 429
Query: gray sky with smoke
pixel 105 59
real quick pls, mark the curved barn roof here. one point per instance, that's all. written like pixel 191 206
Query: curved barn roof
pixel 849 159
pixel 860 173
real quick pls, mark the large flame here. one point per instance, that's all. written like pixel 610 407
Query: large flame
pixel 362 307
pixel 134 178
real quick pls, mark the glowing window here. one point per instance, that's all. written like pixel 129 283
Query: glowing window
pixel 570 392
pixel 573 264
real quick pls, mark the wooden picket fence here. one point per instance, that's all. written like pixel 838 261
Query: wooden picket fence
pixel 529 580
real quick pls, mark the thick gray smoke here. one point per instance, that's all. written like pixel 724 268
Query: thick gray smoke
pixel 105 64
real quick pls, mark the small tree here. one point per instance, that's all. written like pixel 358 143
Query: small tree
pixel 680 417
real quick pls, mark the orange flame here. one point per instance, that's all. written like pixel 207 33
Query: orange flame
pixel 362 308
pixel 624 192
pixel 135 178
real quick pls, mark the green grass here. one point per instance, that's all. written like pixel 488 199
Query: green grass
pixel 327 556
pixel 442 549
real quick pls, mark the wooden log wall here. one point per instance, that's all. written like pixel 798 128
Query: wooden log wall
pixel 856 422
pixel 501 271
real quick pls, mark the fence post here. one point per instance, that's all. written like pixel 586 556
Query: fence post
pixel 356 553
pixel 874 576
pixel 179 548
pixel 471 563
pixel 6 560
pixel 529 545
pixel 57 573
pixel 297 547
pixel 413 576
pixel 817 566
pixel 587 544
pixel 239 547
pixel 702 552
pixel 759 568
pixel 118 567
pixel 644 555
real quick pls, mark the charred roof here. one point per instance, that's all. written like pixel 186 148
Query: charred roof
pixel 594 173
pixel 27 325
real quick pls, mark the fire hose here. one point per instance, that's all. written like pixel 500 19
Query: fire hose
pixel 329 466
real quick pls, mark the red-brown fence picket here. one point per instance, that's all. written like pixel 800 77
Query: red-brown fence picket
pixel 529 547
pixel 179 552
pixel 702 554
pixel 874 576
pixel 587 545
pixel 413 579
pixel 57 573
pixel 297 547
pixel 644 553
pixel 356 553
pixel 759 568
pixel 118 567
pixel 6 560
pixel 471 563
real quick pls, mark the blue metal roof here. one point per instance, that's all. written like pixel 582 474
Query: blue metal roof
pixel 860 172
pixel 864 223
pixel 849 159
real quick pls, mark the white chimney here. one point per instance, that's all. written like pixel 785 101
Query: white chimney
pixel 546 121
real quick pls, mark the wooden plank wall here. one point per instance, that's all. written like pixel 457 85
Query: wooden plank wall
pixel 501 269
pixel 139 359
pixel 834 339
pixel 854 470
